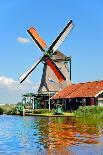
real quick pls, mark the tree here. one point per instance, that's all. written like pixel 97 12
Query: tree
pixel 1 111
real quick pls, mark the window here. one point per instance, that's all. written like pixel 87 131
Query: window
pixel 100 101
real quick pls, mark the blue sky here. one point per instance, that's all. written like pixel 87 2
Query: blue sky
pixel 18 52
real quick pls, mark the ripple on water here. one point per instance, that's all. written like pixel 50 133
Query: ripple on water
pixel 49 135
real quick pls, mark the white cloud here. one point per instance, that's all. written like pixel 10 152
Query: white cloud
pixel 12 84
pixel 5 81
pixel 11 90
pixel 23 40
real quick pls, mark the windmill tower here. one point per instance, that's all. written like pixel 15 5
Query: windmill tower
pixel 55 62
pixel 49 82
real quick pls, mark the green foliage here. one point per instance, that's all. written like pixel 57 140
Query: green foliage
pixel 8 108
pixel 90 111
pixel 28 95
pixel 1 111
pixel 41 111
pixel 12 111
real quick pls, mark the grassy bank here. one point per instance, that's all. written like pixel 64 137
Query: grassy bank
pixel 10 109
pixel 90 111
pixel 64 114
pixel 82 112
pixel 46 112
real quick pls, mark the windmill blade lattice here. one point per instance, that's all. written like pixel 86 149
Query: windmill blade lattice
pixel 26 74
pixel 61 37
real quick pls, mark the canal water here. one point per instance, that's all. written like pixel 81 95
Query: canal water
pixel 50 135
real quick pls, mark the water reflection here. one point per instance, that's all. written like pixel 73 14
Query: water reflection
pixel 59 134
pixel 50 135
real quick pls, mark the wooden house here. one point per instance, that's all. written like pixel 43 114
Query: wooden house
pixel 81 94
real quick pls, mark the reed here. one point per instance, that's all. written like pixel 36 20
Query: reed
pixel 90 111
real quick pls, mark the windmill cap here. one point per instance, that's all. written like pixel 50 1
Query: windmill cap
pixel 58 56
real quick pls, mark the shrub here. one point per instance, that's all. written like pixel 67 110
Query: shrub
pixel 1 111
pixel 88 111
pixel 7 107
pixel 42 111
pixel 12 111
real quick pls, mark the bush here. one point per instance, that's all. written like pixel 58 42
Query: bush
pixel 42 111
pixel 7 108
pixel 89 111
pixel 1 111
pixel 12 111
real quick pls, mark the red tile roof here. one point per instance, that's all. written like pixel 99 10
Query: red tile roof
pixel 88 89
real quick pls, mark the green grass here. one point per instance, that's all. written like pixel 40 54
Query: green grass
pixel 52 115
pixel 42 111
pixel 46 112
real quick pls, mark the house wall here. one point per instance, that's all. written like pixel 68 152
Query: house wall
pixel 74 104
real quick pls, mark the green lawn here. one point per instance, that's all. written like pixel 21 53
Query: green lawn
pixel 65 114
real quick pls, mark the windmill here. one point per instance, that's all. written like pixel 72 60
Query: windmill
pixel 49 55
pixel 49 82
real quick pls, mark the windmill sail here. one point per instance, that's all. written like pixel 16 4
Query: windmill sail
pixel 48 54
pixel 55 69
pixel 26 74
pixel 38 40
pixel 62 36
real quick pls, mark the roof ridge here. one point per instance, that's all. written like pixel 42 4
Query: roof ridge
pixel 89 81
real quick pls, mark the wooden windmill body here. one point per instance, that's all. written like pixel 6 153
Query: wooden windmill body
pixel 49 81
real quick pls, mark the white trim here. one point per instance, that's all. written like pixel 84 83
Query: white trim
pixel 55 95
pixel 99 99
pixel 99 93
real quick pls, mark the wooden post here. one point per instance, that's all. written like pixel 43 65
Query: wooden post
pixel 23 111
pixel 33 102
pixel 49 100
pixel 70 70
